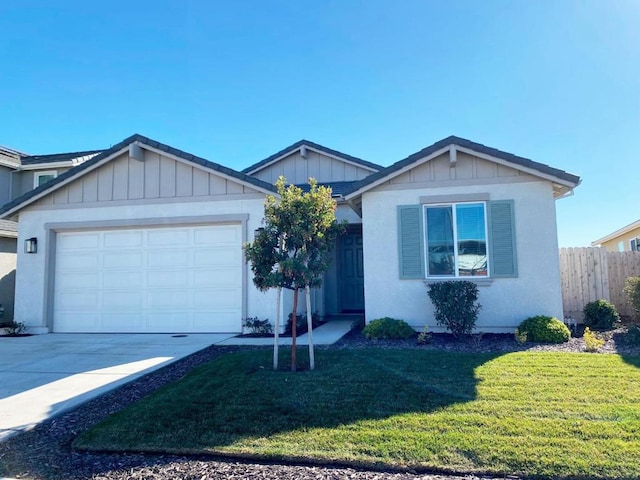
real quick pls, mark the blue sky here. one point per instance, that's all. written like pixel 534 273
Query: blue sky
pixel 235 81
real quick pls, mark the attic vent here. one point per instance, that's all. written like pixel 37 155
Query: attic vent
pixel 136 152
pixel 303 151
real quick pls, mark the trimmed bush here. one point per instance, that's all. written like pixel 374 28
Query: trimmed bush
pixel 455 305
pixel 632 291
pixel 591 341
pixel 600 315
pixel 544 329
pixel 387 327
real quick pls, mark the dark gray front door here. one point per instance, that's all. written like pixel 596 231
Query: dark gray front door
pixel 351 273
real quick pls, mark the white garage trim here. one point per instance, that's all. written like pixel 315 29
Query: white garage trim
pixel 54 229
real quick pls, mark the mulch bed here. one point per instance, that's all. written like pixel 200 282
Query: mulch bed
pixel 45 452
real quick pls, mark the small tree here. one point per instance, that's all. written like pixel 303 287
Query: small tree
pixel 632 291
pixel 291 251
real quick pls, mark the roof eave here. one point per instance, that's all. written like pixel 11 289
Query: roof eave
pixel 617 233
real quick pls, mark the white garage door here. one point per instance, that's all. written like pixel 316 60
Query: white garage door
pixel 154 280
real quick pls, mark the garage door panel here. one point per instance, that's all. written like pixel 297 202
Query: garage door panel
pixel 70 322
pixel 224 320
pixel 217 277
pixel 122 322
pixel 124 259
pixel 167 258
pixel 169 322
pixel 216 235
pixel 217 256
pixel 171 238
pixel 121 279
pixel 78 300
pixel 183 279
pixel 125 238
pixel 122 299
pixel 80 241
pixel 220 297
pixel 78 281
pixel 168 298
pixel 78 261
pixel 168 278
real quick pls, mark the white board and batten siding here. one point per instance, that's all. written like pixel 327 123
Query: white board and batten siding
pixel 160 280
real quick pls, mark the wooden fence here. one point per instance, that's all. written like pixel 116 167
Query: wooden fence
pixel 593 273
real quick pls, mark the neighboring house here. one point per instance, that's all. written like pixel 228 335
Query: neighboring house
pixel 147 238
pixel 20 173
pixel 626 239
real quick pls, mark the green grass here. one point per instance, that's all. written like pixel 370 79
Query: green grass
pixel 531 414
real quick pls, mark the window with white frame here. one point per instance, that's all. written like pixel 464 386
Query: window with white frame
pixel 40 178
pixel 456 240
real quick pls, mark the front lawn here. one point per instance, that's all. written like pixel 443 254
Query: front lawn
pixel 532 414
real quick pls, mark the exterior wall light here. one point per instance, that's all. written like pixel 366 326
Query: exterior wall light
pixel 31 245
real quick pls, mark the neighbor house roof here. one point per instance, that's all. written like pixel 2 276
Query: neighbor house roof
pixel 617 233
pixel 75 172
pixel 314 146
pixel 73 157
pixel 464 144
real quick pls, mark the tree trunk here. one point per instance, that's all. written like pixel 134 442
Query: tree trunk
pixel 276 331
pixel 294 322
pixel 312 360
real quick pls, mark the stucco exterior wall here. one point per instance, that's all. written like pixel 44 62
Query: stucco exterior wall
pixel 7 276
pixel 505 301
pixel 31 277
pixel 625 238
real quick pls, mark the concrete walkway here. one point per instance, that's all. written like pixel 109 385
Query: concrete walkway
pixel 44 375
pixel 326 334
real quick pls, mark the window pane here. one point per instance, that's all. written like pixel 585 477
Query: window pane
pixel 44 179
pixel 440 245
pixel 472 242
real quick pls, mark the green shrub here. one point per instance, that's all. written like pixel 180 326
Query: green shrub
pixel 257 326
pixel 424 336
pixel 600 315
pixel 542 328
pixel 591 341
pixel 632 337
pixel 386 327
pixel 301 323
pixel 14 329
pixel 455 305
pixel 632 291
pixel 520 336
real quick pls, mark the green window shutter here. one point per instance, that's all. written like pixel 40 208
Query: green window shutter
pixel 410 241
pixel 502 239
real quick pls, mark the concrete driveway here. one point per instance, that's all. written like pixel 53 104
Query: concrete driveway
pixel 44 375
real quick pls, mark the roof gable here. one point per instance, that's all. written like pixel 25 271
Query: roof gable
pixel 114 155
pixel 452 145
pixel 306 144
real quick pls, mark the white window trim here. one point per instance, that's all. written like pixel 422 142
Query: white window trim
pixel 455 242
pixel 37 175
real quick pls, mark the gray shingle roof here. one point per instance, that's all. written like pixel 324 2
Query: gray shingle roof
pixel 337 188
pixel 477 147
pixel 56 157
pixel 77 170
pixel 315 146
